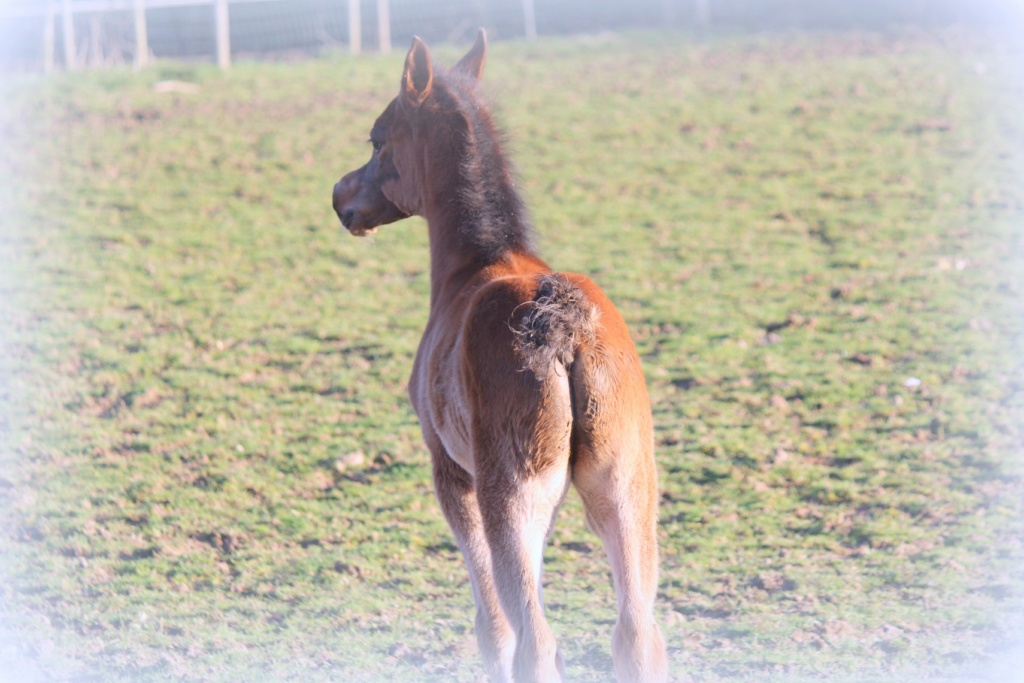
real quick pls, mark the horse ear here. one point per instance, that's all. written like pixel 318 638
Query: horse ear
pixel 418 76
pixel 473 62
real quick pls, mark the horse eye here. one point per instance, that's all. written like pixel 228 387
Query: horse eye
pixel 377 145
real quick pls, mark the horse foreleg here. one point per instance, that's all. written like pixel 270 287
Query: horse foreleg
pixel 455 491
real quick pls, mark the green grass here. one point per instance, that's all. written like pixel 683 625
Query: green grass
pixel 208 466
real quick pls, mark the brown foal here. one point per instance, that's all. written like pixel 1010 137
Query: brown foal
pixel 524 380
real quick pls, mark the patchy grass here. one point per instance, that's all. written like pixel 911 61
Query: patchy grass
pixel 208 466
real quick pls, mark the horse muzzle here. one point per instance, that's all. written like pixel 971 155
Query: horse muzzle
pixel 346 192
pixel 361 206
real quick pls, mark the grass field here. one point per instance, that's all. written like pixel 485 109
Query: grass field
pixel 209 470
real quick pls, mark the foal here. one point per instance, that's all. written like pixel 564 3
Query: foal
pixel 524 380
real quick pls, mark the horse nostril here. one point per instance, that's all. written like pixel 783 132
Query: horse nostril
pixel 347 216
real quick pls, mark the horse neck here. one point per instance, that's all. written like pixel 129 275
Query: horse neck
pixel 454 260
pixel 475 218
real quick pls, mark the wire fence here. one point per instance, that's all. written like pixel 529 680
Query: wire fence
pixel 39 35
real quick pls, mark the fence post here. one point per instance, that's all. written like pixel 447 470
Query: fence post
pixel 49 37
pixel 68 24
pixel 530 20
pixel 223 34
pixel 383 26
pixel 703 14
pixel 94 55
pixel 141 37
pixel 355 28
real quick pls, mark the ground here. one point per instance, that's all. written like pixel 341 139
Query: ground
pixel 208 466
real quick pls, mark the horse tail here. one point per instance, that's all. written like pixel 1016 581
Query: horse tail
pixel 560 320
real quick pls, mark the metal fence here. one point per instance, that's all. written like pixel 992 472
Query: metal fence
pixel 38 35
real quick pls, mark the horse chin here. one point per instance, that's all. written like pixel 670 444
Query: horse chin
pixel 362 231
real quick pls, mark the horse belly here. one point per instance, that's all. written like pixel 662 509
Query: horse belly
pixel 454 434
pixel 450 414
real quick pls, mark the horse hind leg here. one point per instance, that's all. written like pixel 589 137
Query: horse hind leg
pixel 615 475
pixel 522 460
pixel 625 524
pixel 518 517
pixel 521 424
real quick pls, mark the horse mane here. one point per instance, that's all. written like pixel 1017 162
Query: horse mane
pixel 492 216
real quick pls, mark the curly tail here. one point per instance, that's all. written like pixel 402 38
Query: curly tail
pixel 559 320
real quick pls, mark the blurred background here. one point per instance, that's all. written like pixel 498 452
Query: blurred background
pixel 38 35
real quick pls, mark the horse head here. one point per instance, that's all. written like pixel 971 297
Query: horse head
pixel 417 132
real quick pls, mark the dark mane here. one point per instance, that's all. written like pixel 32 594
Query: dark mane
pixel 491 214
